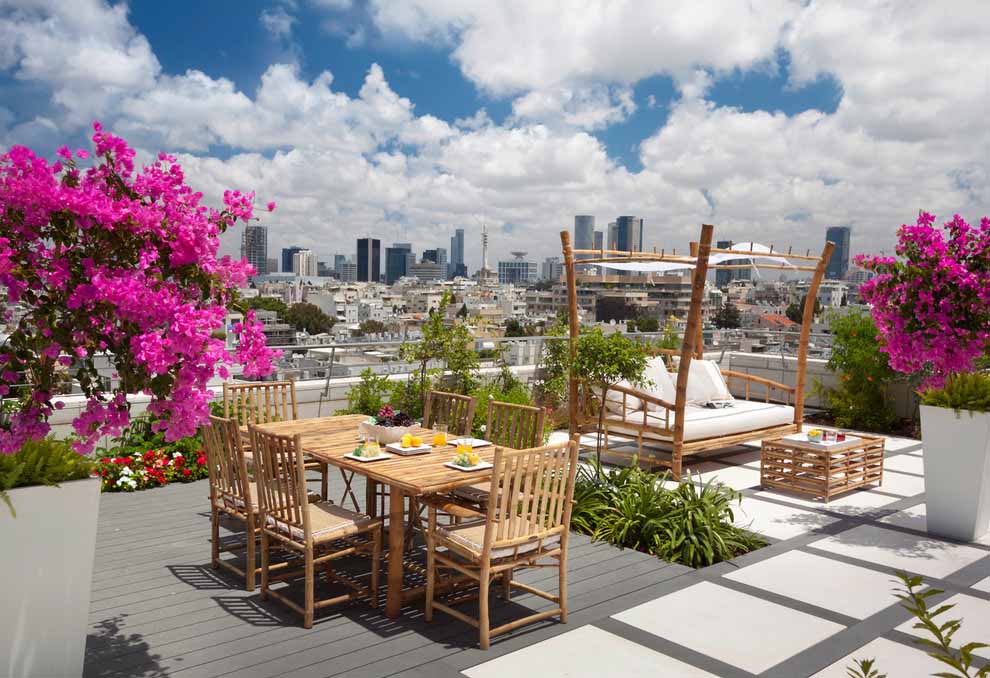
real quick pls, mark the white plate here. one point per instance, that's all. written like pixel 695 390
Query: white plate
pixel 473 442
pixel 477 467
pixel 381 456
pixel 399 449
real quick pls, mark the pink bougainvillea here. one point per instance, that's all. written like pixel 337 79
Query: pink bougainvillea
pixel 931 303
pixel 110 263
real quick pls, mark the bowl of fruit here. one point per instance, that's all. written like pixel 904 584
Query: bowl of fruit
pixel 388 427
pixel 815 435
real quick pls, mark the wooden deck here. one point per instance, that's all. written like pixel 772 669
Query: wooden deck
pixel 159 609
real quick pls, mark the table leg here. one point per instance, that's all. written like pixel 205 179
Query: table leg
pixel 370 497
pixel 396 534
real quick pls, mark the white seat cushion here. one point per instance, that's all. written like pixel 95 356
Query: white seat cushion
pixel 613 399
pixel 471 537
pixel 706 383
pixel 704 422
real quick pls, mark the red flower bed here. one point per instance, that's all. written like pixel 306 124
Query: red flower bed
pixel 153 468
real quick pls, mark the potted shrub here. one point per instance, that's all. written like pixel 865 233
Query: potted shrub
pixel 107 265
pixel 931 305
pixel 606 360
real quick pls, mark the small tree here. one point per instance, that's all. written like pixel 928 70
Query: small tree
pixel 727 317
pixel 462 313
pixel 309 318
pixel 551 371
pixel 514 328
pixel 645 323
pixel 369 327
pixel 605 360
pixel 266 304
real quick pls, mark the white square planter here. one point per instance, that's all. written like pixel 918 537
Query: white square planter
pixel 957 472
pixel 46 572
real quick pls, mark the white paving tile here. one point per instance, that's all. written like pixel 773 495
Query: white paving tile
pixel 855 502
pixel 749 459
pixel 777 521
pixel 983 585
pixel 736 477
pixel 913 553
pixel 915 518
pixel 730 626
pixel 975 615
pixel 586 651
pixel 905 463
pixel 893 659
pixel 902 484
pixel 848 589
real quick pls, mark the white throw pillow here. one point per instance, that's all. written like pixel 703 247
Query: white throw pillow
pixel 706 383
pixel 613 400
pixel 663 386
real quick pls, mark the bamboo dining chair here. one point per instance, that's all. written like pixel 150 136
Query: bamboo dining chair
pixel 320 532
pixel 508 425
pixel 509 535
pixel 231 494
pixel 451 409
pixel 265 402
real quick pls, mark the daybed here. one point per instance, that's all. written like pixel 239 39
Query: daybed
pixel 692 410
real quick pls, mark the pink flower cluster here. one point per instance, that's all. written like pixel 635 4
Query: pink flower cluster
pixel 113 264
pixel 931 304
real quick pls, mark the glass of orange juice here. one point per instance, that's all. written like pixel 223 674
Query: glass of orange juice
pixel 439 435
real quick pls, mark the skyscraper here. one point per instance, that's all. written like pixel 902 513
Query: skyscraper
pixel 437 256
pixel 551 269
pixel 629 234
pixel 457 266
pixel 338 262
pixel 584 233
pixel 254 247
pixel 612 236
pixel 397 261
pixel 369 259
pixel 287 253
pixel 304 263
pixel 724 277
pixel 599 239
pixel 838 265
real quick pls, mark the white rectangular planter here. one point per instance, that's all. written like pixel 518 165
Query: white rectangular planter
pixel 45 578
pixel 957 472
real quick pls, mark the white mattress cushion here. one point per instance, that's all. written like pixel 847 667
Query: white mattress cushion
pixel 662 385
pixel 704 422
pixel 613 399
pixel 706 383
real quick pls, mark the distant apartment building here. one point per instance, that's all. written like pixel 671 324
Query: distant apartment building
pixel 369 259
pixel 304 263
pixel 428 271
pixel 838 264
pixel 348 271
pixel 437 256
pixel 324 269
pixel 517 272
pixel 551 269
pixel 272 266
pixel 724 277
pixel 287 253
pixel 254 247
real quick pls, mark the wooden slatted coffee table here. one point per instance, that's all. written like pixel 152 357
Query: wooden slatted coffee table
pixel 823 471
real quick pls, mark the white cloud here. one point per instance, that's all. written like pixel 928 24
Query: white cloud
pixel 588 108
pixel 277 22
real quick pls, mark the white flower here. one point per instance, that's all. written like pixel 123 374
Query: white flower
pixel 126 471
pixel 484 427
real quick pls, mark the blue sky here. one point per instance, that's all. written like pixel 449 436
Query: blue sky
pixel 405 119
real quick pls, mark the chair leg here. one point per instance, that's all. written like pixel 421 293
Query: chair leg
pixel 431 563
pixel 310 592
pixel 324 482
pixel 484 627
pixel 250 564
pixel 376 563
pixel 215 538
pixel 264 564
pixel 562 585
pixel 507 584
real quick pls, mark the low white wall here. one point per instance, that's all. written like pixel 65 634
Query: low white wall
pixel 307 397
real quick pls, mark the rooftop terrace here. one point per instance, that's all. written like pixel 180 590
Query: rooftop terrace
pixel 817 597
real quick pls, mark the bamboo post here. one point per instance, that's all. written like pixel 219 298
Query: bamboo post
pixel 806 321
pixel 574 326
pixel 699 345
pixel 687 347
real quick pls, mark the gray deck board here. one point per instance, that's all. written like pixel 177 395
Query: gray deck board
pixel 159 609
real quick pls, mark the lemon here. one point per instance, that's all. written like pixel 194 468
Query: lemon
pixel 417 441
pixel 407 440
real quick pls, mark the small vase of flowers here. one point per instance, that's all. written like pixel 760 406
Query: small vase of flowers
pixel 388 426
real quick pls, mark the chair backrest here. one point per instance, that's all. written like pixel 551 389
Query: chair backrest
pixel 281 481
pixel 535 489
pixel 452 409
pixel 260 402
pixel 229 480
pixel 515 426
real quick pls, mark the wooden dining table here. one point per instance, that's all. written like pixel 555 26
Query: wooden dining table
pixel 328 439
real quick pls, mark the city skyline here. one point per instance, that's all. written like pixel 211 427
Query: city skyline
pixel 424 118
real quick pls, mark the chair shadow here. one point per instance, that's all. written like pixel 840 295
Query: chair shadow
pixel 111 652
pixel 205 578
